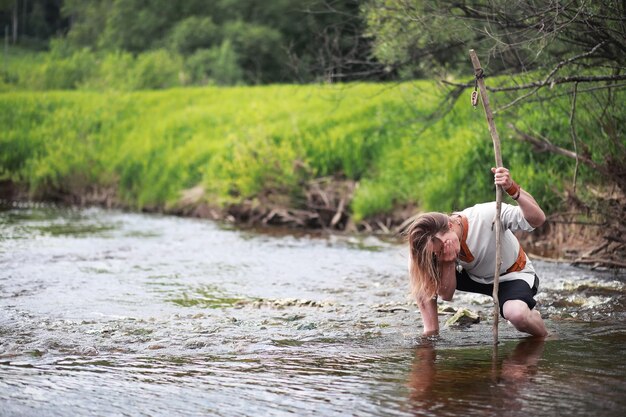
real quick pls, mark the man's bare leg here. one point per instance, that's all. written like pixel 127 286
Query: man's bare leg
pixel 523 318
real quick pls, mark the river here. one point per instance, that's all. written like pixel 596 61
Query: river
pixel 109 313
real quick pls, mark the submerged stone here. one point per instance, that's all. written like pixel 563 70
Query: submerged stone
pixel 463 318
pixel 309 326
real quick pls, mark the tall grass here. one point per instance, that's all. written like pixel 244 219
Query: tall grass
pixel 240 142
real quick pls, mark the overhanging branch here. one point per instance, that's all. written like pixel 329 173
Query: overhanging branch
pixel 544 145
pixel 551 83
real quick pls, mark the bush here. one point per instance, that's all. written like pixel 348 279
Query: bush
pixel 218 65
pixel 260 48
pixel 61 73
pixel 64 68
pixel 192 34
pixel 114 72
pixel 156 70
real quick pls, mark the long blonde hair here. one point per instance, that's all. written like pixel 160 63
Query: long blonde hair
pixel 424 269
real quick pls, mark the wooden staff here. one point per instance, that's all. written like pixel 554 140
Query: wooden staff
pixel 480 84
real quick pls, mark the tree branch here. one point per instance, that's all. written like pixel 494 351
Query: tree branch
pixel 600 261
pixel 572 120
pixel 556 81
pixel 543 145
pixel 546 80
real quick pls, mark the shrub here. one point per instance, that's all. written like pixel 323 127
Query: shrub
pixel 192 34
pixel 156 70
pixel 114 72
pixel 61 73
pixel 218 65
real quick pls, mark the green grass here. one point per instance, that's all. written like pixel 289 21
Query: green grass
pixel 240 142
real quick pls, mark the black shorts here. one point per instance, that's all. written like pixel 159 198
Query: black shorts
pixel 508 290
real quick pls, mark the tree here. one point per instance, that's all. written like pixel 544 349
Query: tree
pixel 517 36
pixel 87 20
pixel 10 9
pixel 329 43
pixel 566 57
pixel 138 25
pixel 276 41
pixel 28 20
pixel 193 33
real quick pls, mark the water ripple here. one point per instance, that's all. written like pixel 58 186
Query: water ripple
pixel 110 313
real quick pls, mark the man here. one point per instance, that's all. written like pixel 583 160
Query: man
pixel 458 252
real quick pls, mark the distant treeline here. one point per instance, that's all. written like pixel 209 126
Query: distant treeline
pixel 253 42
pixel 218 41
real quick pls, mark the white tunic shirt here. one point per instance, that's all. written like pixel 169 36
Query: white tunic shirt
pixel 478 246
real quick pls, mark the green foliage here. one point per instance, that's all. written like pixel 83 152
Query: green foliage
pixel 89 19
pixel 155 70
pixel 600 137
pixel 242 143
pixel 194 33
pixel 246 142
pixel 66 68
pixel 418 35
pixel 61 69
pixel 114 71
pixel 138 25
pixel 260 49
pixel 41 151
pixel 218 65
pixel 276 41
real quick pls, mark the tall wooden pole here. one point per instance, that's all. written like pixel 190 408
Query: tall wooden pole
pixel 478 72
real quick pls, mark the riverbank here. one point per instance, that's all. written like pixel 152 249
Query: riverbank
pixel 560 239
pixel 282 145
pixel 360 157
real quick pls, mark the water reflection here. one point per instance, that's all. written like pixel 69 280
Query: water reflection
pixel 452 381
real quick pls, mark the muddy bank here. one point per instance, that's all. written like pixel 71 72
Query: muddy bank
pixel 596 241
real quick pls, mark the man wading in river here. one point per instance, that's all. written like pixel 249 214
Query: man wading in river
pixel 457 252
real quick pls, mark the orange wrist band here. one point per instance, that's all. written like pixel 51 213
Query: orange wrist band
pixel 513 190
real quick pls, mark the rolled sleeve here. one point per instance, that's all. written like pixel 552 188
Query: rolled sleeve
pixel 513 219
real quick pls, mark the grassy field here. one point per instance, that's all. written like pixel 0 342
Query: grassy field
pixel 242 142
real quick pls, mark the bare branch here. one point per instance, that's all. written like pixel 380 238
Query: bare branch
pixel 601 261
pixel 546 80
pixel 543 145
pixel 556 81
pixel 547 98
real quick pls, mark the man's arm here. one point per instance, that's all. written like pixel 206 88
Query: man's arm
pixel 446 288
pixel 531 210
pixel 430 316
pixel 447 285
pixel 533 214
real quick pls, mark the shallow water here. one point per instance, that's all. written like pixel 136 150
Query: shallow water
pixel 110 313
